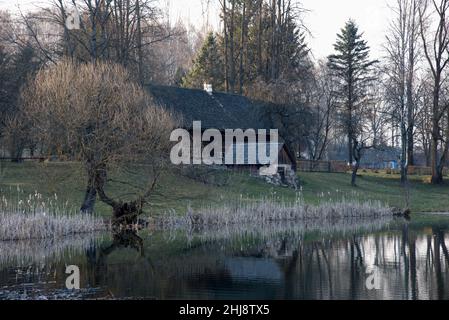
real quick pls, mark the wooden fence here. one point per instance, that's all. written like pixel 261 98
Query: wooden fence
pixel 423 171
pixel 342 167
pixel 39 159
pixel 322 166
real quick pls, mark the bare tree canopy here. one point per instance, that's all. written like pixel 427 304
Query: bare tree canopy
pixel 95 113
pixel 433 19
pixel 401 66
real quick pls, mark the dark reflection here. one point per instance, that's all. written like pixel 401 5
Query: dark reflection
pixel 125 239
pixel 97 257
pixel 411 259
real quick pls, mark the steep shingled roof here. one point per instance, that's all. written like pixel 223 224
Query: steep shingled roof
pixel 217 110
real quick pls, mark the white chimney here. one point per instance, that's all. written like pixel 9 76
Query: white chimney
pixel 208 88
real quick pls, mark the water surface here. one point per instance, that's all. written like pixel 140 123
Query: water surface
pixel 411 260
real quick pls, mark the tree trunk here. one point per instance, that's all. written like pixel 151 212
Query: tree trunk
pixel 355 171
pixel 411 150
pixel 350 150
pixel 410 122
pixel 90 195
pixel 439 178
pixel 358 149
pixel 404 172
pixel 273 40
pixel 412 58
pixel 139 42
pixel 242 49
pixel 437 161
pixel 232 49
pixel 93 37
pixel 226 46
pixel 404 144
pixel 90 198
pixel 436 179
pixel 126 214
pixel 259 39
pixel 16 148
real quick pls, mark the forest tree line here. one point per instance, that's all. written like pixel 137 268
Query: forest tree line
pixel 348 101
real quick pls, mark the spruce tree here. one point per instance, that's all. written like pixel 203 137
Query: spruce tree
pixel 352 66
pixel 207 67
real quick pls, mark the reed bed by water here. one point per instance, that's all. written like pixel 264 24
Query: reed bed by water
pixel 268 212
pixel 33 217
pixel 19 226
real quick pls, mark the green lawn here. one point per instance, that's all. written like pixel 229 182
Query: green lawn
pixel 386 188
pixel 177 192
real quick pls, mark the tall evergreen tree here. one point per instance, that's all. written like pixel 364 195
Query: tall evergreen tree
pixel 207 67
pixel 353 68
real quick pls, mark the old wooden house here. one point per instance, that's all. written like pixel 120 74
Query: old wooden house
pixel 217 110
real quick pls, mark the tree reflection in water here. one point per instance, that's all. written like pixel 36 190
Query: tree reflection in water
pixel 412 261
pixel 411 265
pixel 97 257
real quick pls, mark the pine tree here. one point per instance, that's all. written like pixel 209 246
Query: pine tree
pixel 353 68
pixel 207 67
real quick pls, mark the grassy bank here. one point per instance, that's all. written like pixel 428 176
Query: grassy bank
pixel 177 192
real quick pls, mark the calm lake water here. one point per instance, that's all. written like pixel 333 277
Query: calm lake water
pixel 410 259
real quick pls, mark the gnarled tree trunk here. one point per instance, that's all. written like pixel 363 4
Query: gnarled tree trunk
pixel 90 195
pixel 90 198
pixel 124 213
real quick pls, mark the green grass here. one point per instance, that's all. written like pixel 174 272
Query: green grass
pixel 370 186
pixel 176 192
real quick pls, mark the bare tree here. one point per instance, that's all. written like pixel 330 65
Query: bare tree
pixel 170 69
pixel 371 127
pixel 401 66
pixel 244 36
pixel 224 14
pixel 434 13
pixel 19 60
pixel 95 113
pixel 122 31
pixel 424 120
pixel 322 114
